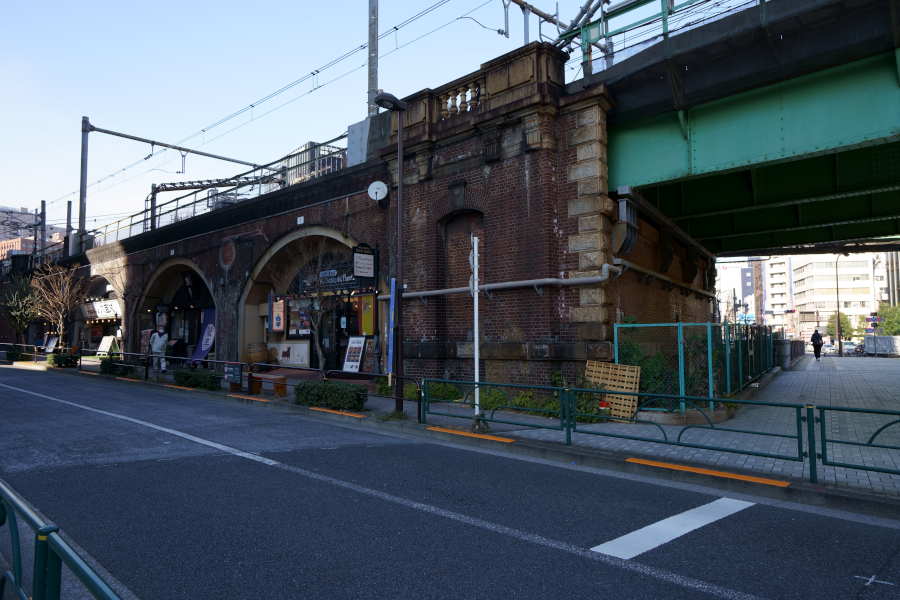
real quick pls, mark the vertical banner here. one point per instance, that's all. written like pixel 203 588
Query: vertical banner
pixel 276 314
pixel 207 335
pixel 390 368
pixel 366 312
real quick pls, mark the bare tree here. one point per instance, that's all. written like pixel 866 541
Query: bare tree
pixel 18 303
pixel 59 290
pixel 315 272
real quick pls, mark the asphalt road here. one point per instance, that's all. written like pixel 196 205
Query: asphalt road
pixel 175 497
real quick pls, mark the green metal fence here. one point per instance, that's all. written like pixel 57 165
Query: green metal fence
pixel 694 359
pixel 855 425
pixel 50 553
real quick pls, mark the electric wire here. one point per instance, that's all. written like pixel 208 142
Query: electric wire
pixel 251 106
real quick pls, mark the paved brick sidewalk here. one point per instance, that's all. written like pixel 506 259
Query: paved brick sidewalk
pixel 846 382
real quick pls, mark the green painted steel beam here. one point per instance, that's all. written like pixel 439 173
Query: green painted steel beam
pixel 846 107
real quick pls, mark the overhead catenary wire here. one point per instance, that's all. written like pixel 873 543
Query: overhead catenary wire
pixel 256 104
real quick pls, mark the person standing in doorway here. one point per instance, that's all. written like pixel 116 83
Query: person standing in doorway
pixel 158 343
pixel 817 342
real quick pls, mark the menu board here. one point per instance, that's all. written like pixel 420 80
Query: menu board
pixel 369 356
pixel 354 356
pixel 233 372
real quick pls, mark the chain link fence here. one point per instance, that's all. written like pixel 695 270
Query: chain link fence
pixel 712 360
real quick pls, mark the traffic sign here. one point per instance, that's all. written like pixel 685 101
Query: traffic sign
pixel 874 319
pixel 879 330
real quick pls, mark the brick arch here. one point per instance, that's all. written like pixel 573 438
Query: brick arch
pixel 458 198
pixel 257 278
pixel 158 286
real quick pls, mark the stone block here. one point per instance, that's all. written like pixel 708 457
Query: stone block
pixel 450 349
pixel 595 332
pixel 497 81
pixel 588 314
pixel 593 186
pixel 594 223
pixel 465 350
pixel 583 135
pixel 521 71
pixel 540 351
pixel 569 351
pixel 590 260
pixel 428 349
pixel 411 349
pixel 587 116
pixel 489 350
pixel 600 351
pixel 581 206
pixel 598 240
pixel 513 350
pixel 593 296
pixel 592 150
pixel 588 169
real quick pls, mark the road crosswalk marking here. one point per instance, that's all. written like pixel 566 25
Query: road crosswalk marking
pixel 661 532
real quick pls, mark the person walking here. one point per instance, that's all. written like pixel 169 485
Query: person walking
pixel 158 343
pixel 817 342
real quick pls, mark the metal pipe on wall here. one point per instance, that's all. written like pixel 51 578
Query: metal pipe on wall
pixel 373 56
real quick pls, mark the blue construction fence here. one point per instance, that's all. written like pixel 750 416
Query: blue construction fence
pixel 712 360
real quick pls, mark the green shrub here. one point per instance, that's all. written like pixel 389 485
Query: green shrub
pixel 337 395
pixel 410 392
pixel 131 370
pixel 204 380
pixel 66 361
pixel 383 388
pixel 443 391
pixel 14 355
pixel 107 367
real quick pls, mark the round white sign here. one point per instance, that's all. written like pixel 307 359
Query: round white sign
pixel 378 191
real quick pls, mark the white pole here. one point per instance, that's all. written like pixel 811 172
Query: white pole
pixel 475 294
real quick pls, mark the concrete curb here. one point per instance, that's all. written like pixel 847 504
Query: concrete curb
pixel 799 491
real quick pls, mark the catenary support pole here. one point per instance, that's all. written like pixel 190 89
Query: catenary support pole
pixel 398 331
pixel 43 232
pixel 82 189
pixel 153 193
pixel 68 240
pixel 373 56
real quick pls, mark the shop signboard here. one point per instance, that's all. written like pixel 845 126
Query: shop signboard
pixel 364 264
pixel 354 357
pixel 102 309
pixel 338 277
pixel 369 356
pixel 188 278
pixel 96 331
pixel 276 314
pixel 233 372
pixel 299 321
pixel 291 354
pixel 107 344
pixel 51 344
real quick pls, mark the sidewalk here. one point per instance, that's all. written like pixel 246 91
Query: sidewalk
pixel 847 382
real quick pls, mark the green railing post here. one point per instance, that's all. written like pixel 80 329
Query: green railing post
pixel 570 414
pixel 41 551
pixel 740 348
pixel 616 341
pixel 811 443
pixel 53 584
pixel 425 401
pixel 681 362
pixel 727 361
pixel 709 361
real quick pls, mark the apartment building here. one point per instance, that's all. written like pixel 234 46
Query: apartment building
pixel 773 292
pixel 892 277
pixel 822 284
pixel 734 285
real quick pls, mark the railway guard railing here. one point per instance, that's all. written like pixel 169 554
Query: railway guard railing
pixel 50 553
pixel 881 426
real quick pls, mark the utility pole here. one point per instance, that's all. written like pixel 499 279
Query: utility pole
pixel 68 240
pixel 837 317
pixel 43 226
pixel 82 190
pixel 373 56
pixel 153 193
pixel 526 12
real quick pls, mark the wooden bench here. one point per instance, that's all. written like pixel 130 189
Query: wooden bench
pixel 279 384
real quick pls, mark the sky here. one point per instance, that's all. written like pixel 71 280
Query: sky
pixel 166 70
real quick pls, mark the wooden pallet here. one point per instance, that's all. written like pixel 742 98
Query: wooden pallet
pixel 622 378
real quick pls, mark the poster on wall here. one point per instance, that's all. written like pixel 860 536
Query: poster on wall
pixel 369 356
pixel 276 314
pixel 291 354
pixel 96 331
pixel 299 322
pixel 354 355
pixel 51 344
pixel 145 341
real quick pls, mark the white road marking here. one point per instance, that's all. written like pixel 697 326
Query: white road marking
pixel 634 567
pixel 661 532
pixel 871 580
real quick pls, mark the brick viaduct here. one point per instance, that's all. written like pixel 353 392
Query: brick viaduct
pixel 504 154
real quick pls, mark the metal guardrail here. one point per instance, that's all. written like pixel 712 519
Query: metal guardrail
pixel 50 553
pixel 824 440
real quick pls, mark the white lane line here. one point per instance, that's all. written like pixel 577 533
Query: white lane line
pixel 634 567
pixel 661 532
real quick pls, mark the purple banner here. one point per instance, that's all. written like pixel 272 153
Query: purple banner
pixel 207 335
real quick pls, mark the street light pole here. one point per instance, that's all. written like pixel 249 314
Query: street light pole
pixel 837 317
pixel 390 102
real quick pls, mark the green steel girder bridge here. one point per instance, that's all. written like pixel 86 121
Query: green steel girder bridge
pixel 774 126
